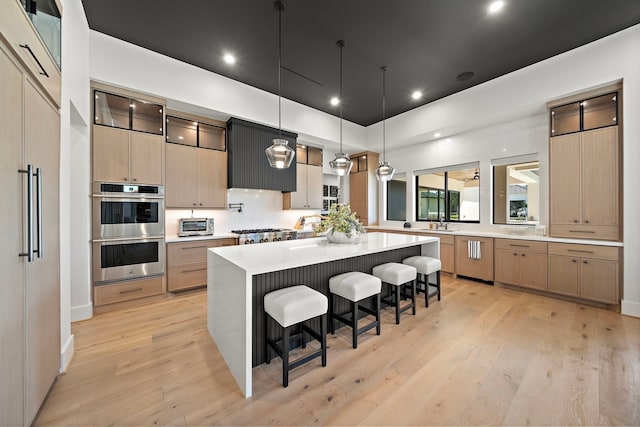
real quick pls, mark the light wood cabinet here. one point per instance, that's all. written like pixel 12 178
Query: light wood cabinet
pixel 309 189
pixel 521 262
pixel 585 271
pixel 127 291
pixel 120 155
pixel 363 187
pixel 465 265
pixel 195 177
pixel 30 290
pixel 187 262
pixel 447 251
pixel 584 185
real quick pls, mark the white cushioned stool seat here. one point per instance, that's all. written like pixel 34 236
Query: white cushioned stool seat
pixel 424 264
pixel 295 304
pixel 355 285
pixel 395 273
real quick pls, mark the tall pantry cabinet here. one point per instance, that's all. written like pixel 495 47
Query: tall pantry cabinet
pixel 29 224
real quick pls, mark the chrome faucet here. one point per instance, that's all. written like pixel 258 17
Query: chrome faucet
pixel 442 223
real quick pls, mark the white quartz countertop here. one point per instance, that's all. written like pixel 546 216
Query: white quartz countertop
pixel 275 256
pixel 498 235
pixel 174 238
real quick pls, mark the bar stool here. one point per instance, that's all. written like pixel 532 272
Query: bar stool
pixel 399 276
pixel 289 307
pixel 426 266
pixel 355 287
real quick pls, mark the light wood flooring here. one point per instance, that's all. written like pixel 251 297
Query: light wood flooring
pixel 481 356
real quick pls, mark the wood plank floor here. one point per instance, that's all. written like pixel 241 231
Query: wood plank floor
pixel 481 356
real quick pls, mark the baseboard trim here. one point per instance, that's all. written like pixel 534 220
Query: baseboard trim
pixel 81 312
pixel 68 350
pixel 630 308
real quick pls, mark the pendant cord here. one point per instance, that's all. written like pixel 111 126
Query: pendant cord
pixel 280 7
pixel 384 130
pixel 341 44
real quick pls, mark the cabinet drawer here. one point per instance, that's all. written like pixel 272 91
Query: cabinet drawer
pixel 445 239
pixel 193 252
pixel 521 245
pixel 17 29
pixel 578 231
pixel 129 290
pixel 585 251
pixel 186 276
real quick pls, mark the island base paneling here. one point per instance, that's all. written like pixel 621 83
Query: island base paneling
pixel 317 277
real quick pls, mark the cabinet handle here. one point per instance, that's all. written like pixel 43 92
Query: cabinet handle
pixel 135 179
pixel 125 179
pixel 585 262
pixel 523 255
pixel 575 221
pixel 581 231
pixel 573 260
pixel 195 204
pixel 30 251
pixel 194 270
pixel 43 71
pixel 518 246
pixel 579 251
pixel 38 176
pixel 193 247
pixel 200 204
pixel 129 291
pixel 586 221
pixel 515 254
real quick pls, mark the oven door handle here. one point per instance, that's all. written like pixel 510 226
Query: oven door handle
pixel 128 239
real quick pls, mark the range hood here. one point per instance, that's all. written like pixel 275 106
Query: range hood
pixel 247 165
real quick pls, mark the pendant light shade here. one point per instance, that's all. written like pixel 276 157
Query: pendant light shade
pixel 385 171
pixel 279 154
pixel 342 164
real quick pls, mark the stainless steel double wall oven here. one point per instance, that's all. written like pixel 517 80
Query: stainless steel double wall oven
pixel 128 231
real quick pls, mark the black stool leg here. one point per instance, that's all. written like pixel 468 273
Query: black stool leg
pixel 426 290
pixel 398 305
pixel 332 325
pixel 323 334
pixel 438 283
pixel 267 359
pixel 354 322
pixel 413 296
pixel 285 357
pixel 377 308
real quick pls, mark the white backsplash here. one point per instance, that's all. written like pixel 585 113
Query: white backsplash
pixel 262 209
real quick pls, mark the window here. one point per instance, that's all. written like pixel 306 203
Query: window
pixel 516 183
pixel 397 198
pixel 452 194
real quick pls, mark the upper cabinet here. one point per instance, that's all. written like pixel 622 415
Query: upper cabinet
pixel 196 165
pixel 587 114
pixel 584 174
pixel 127 139
pixel 309 180
pixel 363 187
pixel 247 163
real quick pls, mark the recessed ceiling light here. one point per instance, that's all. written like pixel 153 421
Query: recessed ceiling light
pixel 416 94
pixel 437 134
pixel 229 59
pixel 496 6
pixel 335 101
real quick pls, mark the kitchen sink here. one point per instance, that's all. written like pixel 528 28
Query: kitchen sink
pixel 446 230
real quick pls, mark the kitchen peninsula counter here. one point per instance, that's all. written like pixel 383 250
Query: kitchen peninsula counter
pixel 238 277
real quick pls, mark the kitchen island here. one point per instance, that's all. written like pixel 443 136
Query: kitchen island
pixel 238 277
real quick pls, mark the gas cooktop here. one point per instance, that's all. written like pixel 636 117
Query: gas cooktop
pixel 263 235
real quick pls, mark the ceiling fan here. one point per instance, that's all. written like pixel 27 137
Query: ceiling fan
pixel 476 176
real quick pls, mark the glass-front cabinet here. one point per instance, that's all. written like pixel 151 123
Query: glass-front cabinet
pixel 592 113
pixel 196 134
pixel 46 18
pixel 126 113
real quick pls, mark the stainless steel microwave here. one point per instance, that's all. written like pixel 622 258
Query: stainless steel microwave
pixel 195 227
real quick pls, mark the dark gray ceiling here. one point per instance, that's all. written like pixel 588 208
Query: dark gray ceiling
pixel 424 43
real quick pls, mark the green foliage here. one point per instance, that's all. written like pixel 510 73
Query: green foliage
pixel 341 219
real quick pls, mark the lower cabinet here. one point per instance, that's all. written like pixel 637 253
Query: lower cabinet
pixel 104 295
pixel 447 252
pixel 472 262
pixel 187 262
pixel 521 263
pixel 585 271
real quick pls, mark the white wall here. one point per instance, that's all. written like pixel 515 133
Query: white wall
pixel 74 161
pixel 517 101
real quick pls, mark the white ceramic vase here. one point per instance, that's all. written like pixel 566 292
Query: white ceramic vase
pixel 340 237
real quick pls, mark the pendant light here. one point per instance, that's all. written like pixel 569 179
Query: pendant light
pixel 341 165
pixel 279 154
pixel 384 172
